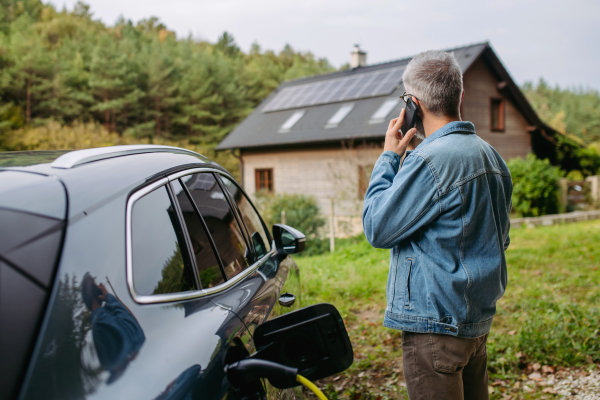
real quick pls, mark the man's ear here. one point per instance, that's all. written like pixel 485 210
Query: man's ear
pixel 418 103
pixel 462 96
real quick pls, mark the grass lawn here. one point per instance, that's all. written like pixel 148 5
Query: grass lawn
pixel 547 320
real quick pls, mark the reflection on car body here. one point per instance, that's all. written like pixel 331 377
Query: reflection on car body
pixel 117 335
pixel 181 388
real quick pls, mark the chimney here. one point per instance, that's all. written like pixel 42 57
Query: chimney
pixel 359 57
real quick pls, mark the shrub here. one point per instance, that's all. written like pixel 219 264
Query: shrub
pixel 575 175
pixel 573 154
pixel 535 186
pixel 301 212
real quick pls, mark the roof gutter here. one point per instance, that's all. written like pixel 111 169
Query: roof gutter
pixel 310 143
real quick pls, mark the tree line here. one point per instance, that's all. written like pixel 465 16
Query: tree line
pixel 138 80
pixel 571 111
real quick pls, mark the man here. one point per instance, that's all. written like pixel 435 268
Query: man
pixel 445 215
pixel 116 332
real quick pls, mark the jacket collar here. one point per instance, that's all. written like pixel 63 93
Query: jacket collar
pixel 451 127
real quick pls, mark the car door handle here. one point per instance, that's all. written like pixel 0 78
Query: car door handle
pixel 287 299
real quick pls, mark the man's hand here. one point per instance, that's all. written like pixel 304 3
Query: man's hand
pixel 393 140
pixel 102 297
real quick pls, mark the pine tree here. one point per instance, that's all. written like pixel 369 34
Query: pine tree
pixel 30 66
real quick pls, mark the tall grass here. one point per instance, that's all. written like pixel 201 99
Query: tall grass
pixel 352 276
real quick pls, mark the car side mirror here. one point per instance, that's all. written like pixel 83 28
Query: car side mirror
pixel 288 240
pixel 312 340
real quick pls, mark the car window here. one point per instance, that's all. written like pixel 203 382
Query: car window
pixel 252 220
pixel 220 220
pixel 157 243
pixel 206 259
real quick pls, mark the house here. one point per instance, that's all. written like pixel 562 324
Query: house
pixel 321 135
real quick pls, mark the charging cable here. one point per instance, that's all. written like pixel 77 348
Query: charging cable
pixel 242 373
pixel 311 386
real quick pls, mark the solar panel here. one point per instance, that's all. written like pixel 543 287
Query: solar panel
pixel 373 82
pixel 294 92
pixel 358 87
pixel 322 92
pixel 383 80
pixel 308 94
pixel 339 95
pixel 369 84
pixel 283 96
pixel 392 78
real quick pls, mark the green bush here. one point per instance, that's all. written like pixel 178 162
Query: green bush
pixel 535 186
pixel 575 175
pixel 301 212
pixel 573 154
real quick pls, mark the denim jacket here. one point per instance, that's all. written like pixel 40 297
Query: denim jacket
pixel 445 217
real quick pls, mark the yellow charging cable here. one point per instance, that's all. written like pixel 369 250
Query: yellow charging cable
pixel 311 386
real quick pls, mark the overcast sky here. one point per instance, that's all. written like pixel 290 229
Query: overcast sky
pixel 553 39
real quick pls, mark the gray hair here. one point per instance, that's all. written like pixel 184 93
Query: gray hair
pixel 435 78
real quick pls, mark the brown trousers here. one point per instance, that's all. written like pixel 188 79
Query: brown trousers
pixel 444 367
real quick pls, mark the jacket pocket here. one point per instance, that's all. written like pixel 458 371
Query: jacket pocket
pixel 393 278
pixel 409 265
pixel 450 354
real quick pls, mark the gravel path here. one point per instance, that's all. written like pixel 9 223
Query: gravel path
pixel 579 387
pixel 576 384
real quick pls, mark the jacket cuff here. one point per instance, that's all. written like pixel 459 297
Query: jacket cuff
pixel 391 157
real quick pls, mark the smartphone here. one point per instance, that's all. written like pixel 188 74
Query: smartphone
pixel 410 117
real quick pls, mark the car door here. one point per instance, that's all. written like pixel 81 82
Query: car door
pixel 253 271
pixel 283 267
pixel 279 272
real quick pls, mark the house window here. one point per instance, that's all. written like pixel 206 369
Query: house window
pixel 383 111
pixel 263 179
pixel 291 121
pixel 364 176
pixel 497 115
pixel 338 117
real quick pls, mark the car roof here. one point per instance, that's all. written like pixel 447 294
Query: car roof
pixel 66 159
pixel 90 176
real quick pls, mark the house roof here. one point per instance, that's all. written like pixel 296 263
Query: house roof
pixel 263 127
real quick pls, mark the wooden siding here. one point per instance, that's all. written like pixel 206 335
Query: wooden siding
pixel 480 87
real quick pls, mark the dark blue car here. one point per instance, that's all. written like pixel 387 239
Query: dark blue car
pixel 133 272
